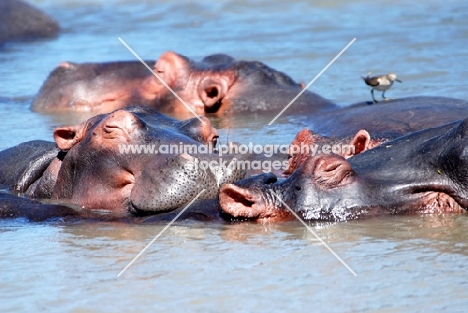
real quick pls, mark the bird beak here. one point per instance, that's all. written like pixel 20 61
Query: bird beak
pixel 398 80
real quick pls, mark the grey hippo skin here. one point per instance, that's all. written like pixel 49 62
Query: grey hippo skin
pixel 12 206
pixel 392 118
pixel 21 22
pixel 85 169
pixel 217 84
pixel 423 172
pixel 363 127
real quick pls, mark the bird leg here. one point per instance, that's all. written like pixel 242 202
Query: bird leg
pixel 373 98
pixel 383 95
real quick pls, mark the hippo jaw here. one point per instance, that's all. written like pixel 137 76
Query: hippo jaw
pixel 428 198
pixel 433 202
pixel 166 185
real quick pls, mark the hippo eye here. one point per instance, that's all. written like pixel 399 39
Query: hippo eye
pixel 298 187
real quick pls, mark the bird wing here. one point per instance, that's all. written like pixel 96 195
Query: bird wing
pixel 371 81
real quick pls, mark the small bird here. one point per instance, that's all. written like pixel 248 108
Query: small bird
pixel 381 83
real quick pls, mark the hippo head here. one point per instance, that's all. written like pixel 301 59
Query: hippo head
pixel 217 84
pixel 99 170
pixel 93 87
pixel 308 143
pixel 220 84
pixel 424 172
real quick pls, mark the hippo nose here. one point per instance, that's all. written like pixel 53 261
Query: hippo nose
pixel 213 136
pixel 209 133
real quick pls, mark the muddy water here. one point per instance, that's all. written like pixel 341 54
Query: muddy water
pixel 404 264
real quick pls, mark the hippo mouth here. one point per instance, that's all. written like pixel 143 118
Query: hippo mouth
pixel 262 206
pixel 437 202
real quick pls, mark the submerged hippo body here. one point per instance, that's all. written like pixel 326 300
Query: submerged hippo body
pixel 86 167
pixel 217 84
pixel 12 206
pixel 21 22
pixel 392 118
pixel 423 172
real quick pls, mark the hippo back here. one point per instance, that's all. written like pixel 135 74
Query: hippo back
pixel 22 165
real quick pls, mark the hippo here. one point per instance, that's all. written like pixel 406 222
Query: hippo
pixel 390 119
pixel 87 167
pixel 118 166
pixel 13 206
pixel 217 84
pixel 422 172
pixel 372 125
pixel 308 142
pixel 20 21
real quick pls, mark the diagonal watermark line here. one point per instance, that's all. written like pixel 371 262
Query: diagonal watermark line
pixel 161 80
pixel 313 80
pixel 160 233
pixel 312 231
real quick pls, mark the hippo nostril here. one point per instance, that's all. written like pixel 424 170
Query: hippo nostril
pixel 298 187
pixel 270 179
pixel 215 140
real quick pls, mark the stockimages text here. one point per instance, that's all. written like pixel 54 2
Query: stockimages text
pixel 234 149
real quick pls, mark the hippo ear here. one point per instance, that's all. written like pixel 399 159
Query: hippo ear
pixel 67 65
pixel 212 89
pixel 361 143
pixel 305 137
pixel 68 136
pixel 172 68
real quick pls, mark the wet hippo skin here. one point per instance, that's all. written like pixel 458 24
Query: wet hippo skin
pixel 423 172
pixel 392 118
pixel 12 206
pixel 363 127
